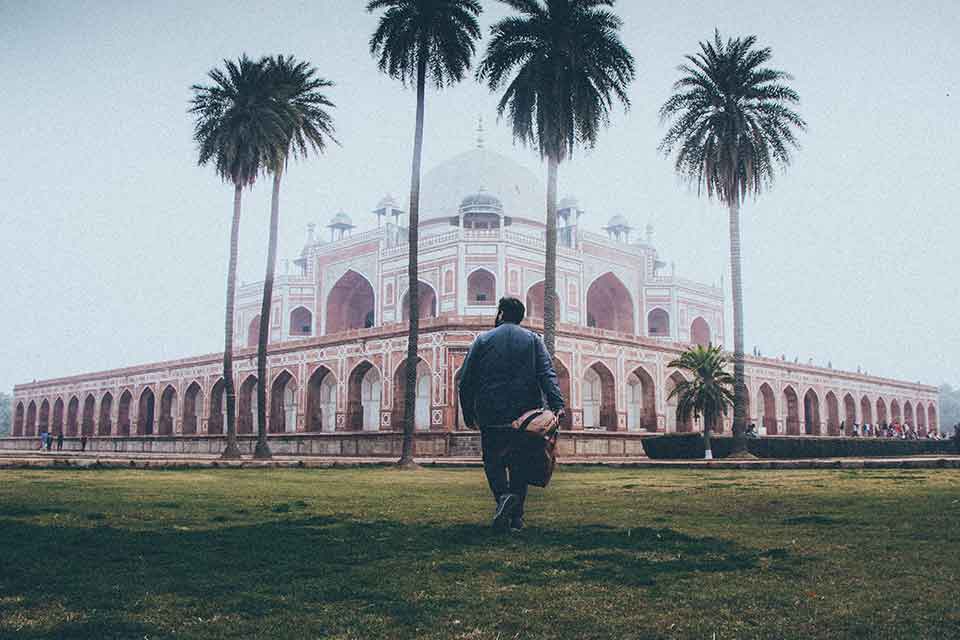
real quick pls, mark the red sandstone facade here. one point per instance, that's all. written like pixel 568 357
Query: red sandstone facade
pixel 338 339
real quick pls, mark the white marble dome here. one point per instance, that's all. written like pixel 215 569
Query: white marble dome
pixel 446 185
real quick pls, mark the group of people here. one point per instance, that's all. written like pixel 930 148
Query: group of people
pixel 896 430
pixel 48 439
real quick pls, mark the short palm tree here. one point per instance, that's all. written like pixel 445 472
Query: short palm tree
pixel 420 41
pixel 298 95
pixel 563 66
pixel 236 121
pixel 708 393
pixel 732 125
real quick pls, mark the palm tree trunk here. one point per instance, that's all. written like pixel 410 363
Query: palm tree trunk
pixel 413 278
pixel 231 451
pixel 707 426
pixel 263 449
pixel 739 384
pixel 550 262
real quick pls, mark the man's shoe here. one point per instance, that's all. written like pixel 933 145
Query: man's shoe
pixel 516 523
pixel 506 504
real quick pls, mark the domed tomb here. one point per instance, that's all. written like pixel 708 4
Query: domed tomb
pixel 520 193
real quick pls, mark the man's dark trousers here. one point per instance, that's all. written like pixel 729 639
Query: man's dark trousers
pixel 500 462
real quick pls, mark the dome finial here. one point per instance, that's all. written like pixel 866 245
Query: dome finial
pixel 479 132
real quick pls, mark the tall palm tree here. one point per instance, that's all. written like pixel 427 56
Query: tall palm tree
pixel 420 41
pixel 563 65
pixel 732 125
pixel 298 96
pixel 710 391
pixel 236 121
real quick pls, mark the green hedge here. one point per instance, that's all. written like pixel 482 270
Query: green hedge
pixel 687 446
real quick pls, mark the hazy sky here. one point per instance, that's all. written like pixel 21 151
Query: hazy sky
pixel 113 243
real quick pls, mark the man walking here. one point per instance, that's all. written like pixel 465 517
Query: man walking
pixel 60 441
pixel 507 372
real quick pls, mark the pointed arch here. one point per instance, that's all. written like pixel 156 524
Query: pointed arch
pixel 43 418
pixel 301 322
pixel 866 410
pixel 921 418
pixel 932 418
pixel 881 412
pixel 247 405
pixel 422 401
pixel 535 302
pixel 168 409
pixel 673 423
pixel 321 400
pixel 87 425
pixel 792 403
pixel 833 414
pixel 105 423
pixel 908 413
pixel 217 422
pixel 253 331
pixel 599 398
pixel 895 416
pixel 57 426
pixel 481 287
pixel 123 413
pixel 192 409
pixel 18 420
pixel 350 303
pixel 427 301
pixel 283 403
pixel 641 401
pixel 700 332
pixel 658 323
pixel 145 412
pixel 610 305
pixel 811 413
pixel 563 381
pixel 31 426
pixel 364 388
pixel 849 413
pixel 73 416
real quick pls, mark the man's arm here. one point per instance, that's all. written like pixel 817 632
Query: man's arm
pixel 547 377
pixel 468 388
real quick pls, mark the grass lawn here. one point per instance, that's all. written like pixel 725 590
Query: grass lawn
pixel 379 553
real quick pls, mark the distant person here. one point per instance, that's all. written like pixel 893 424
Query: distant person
pixel 60 441
pixel 507 372
pixel 43 440
pixel 83 443
pixel 49 441
pixel 843 427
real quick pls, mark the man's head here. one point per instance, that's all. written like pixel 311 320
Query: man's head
pixel 510 310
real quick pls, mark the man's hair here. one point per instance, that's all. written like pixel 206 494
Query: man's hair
pixel 511 310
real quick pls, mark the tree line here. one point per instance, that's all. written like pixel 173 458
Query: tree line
pixel 560 68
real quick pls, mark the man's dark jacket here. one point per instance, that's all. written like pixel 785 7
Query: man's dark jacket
pixel 504 375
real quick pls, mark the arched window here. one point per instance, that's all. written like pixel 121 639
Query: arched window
pixel 301 322
pixel 535 303
pixel 609 305
pixel 481 288
pixel 427 301
pixel 699 332
pixel 350 304
pixel 658 323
